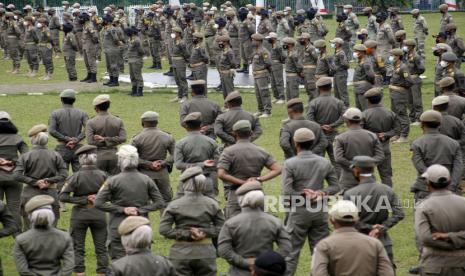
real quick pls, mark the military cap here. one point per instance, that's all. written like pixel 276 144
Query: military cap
pixel 294 101
pixel 68 93
pixel 76 5
pixel 11 7
pixel 362 161
pixel 149 116
pixel 279 13
pixel 443 7
pixel 362 31
pixel 249 186
pixel 400 33
pixel 320 43
pixel 323 81
pixel 86 149
pixel 64 2
pixel 415 11
pixel 303 135
pixel 271 262
pixel 242 125
pixel 190 172
pixel 370 43
pixel 248 6
pixel 289 40
pixel 272 35
pixel 230 13
pixel 360 47
pixel 431 116
pixel 205 4
pixel 397 52
pixel 28 18
pixel 131 223
pixel 353 113
pixel 439 100
pixel 27 7
pixel 36 130
pixel 107 9
pixel 42 20
pixel 437 174
pixel 301 11
pixel 337 40
pixel 375 91
pixel 175 7
pixel 451 26
pixel 223 38
pixel 348 7
pixel 198 82
pixel 66 14
pixel 37 202
pixel 447 81
pixel 231 96
pixel 92 9
pixel 228 3
pixel 449 57
pixel 367 9
pixel 177 29
pixel 36 13
pixel 410 42
pixel 194 116
pixel 442 46
pixel 257 37
pixel 344 210
pixel 103 98
pixel 5 116
pixel 288 9
pixel 304 36
pixel 18 12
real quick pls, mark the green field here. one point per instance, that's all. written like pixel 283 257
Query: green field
pixel 27 111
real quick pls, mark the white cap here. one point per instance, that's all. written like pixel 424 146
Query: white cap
pixel 352 113
pixel 344 210
pixel 439 100
pixel 437 174
pixel 5 116
pixel 127 151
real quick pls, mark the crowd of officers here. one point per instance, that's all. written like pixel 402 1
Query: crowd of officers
pixel 128 181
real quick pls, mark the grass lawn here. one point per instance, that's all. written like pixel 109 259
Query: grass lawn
pixel 27 111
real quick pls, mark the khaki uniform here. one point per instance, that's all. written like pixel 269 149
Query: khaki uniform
pixel 278 58
pixel 226 66
pixel 401 81
pixel 199 63
pixel 396 23
pixel 264 28
pixel 44 252
pixel 308 58
pixel 13 39
pixel 233 27
pixel 386 40
pixel 127 189
pixel 112 129
pixel 191 257
pixel 458 76
pixel 70 48
pixel 210 111
pixel 283 29
pixel 372 27
pixel 353 25
pixel 379 67
pixel 179 61
pixel 340 65
pixel 334 255
pixel 249 234
pixel 416 67
pixel 445 19
pixel 77 30
pixel 188 36
pixel 135 61
pixel 141 262
pixel 364 79
pixel 111 43
pixel 210 33
pixel 246 30
pixel 154 33
pixel 317 30
pixel 90 37
pixel 84 215
pixel 343 32
pixel 152 145
pixel 40 163
pixel 456 106
pixel 31 50
pixel 54 25
pixel 224 125
pixel 242 160
pixel 306 171
pixel 45 49
pixel 261 65
pixel 294 69
pixel 65 125
pixel 355 142
pixel 441 212
pixel 458 47
pixel 420 30
pixel 286 136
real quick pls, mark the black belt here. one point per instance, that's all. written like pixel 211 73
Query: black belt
pixel 209 36
pixel 234 36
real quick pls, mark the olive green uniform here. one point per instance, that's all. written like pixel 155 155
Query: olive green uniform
pixel 199 63
pixel 261 65
pixel 278 58
pixel 111 43
pixel 45 49
pixel 54 25
pixel 210 111
pixel 343 32
pixel 224 125
pixel 210 33
pixel 340 65
pixel 246 30
pixel 386 40
pixel 13 37
pixel 77 30
pixel 233 29
pixel 398 91
pixel 445 19
pixel 317 30
pixel 70 48
pixel 364 79
pixel 353 25
pixel 135 61
pixel 31 50
pixel 372 27
pixel 420 31
pixel 294 69
pixel 458 47
pixel 67 124
pixel 191 257
pixel 155 40
pixel 90 42
pixel 416 67
pixel 456 105
pixel 309 58
pixel 141 262
pixel 87 181
pixel 379 67
pixel 112 129
pixel 152 145
pixel 179 61
pixel 128 189
pixel 226 65
pixel 40 163
pixel 396 23
pixel 264 28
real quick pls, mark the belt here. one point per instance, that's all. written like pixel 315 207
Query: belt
pixel 177 58
pixel 320 76
pixel 397 88
pixel 360 82
pixel 436 252
pixel 309 66
pixel 291 74
pixel 12 36
pixel 197 64
pixel 30 43
pixel 276 60
pixel 43 44
pixel 204 241
pixel 259 72
pixel 233 36
pixel 206 36
pixel 224 71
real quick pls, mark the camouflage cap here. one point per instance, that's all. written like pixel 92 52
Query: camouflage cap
pixel 446 82
pixel 249 186
pixel 303 135
pixel 37 129
pixel 131 223
pixel 86 149
pixel 431 116
pixel 242 125
pixel 37 202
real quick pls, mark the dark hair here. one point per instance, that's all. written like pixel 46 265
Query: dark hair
pixel 103 106
pixel 305 145
pixel 69 101
pixel 198 89
pixel 150 123
pixel 449 88
pixel 355 121
pixel 431 124
pixel 325 87
pixel 235 102
pixel 261 272
pixel 366 169
pixel 441 107
pixel 345 223
pixel 243 134
pixel 443 183
pixel 193 124
pixel 297 107
pixel 7 127
pixel 374 99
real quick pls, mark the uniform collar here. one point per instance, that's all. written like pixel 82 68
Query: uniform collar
pixel 88 167
pixel 368 180
pixel 301 117
pixel 235 108
pixel 441 193
pixel 194 132
pixel 37 147
pixel 243 141
pixel 346 230
pixel 139 251
pixel 305 153
pixel 250 210
pixel 67 106
pixel 432 131
pixel 102 113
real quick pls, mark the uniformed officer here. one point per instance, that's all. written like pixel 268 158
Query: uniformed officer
pixel 438 225
pixel 318 29
pixel 13 36
pixel 224 122
pixel 198 61
pixel 295 110
pixel 136 236
pixel 200 103
pixel 241 162
pixel 339 66
pixel 384 123
pixel 416 67
pixel 343 32
pixel 111 43
pixel 379 66
pixel 261 67
pixel 399 86
pixel 264 27
pixel 371 26
pixel 446 17
pixel 156 150
pixel 303 177
pixel 78 27
pixel 352 24
pixel 353 142
pixel 324 66
pixel 130 193
pixel 45 48
pixel 450 125
pixel 226 65
pixel 401 36
pixel 31 50
pixel 282 26
pixel 308 57
pixel 11 146
pixel 41 170
pixel 335 254
pixel 54 25
pixel 180 58
pixel 106 132
pixel 232 26
pixel 420 30
pixel 135 61
pixel 210 32
pixel 438 50
pixel 456 106
pixel 154 33
pixel 90 42
pixel 81 189
pixel 250 233
pixel 192 221
pixel 43 250
pixel 278 58
pixel 246 30
pixel 364 76
pixel 70 48
pixel 386 40
pixel 373 220
pixel 448 61
pixel 396 20
pixel 455 42
pixel 293 68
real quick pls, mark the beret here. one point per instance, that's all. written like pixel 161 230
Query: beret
pixel 370 43
pixel 337 40
pixel 440 100
pixel 68 93
pixel 257 37
pixel 37 202
pixel 353 113
pixel 344 210
pixel 177 29
pixel 198 35
pixel 400 33
pixel 437 174
pixel 148 116
pixel 362 161
pixel 320 43
pixel 4 115
pixel 360 47
pixel 223 38
pixel 242 125
pixel 449 56
pixel 230 13
pixel 303 135
pixel 86 149
pixel 415 11
pixel 397 52
pixel 249 186
pixel 294 101
pixel 375 91
pixel 445 82
pixel 431 116
pixel 410 42
pixel 190 172
pixel 233 95
pixel 288 40
pixel 323 81
pixel 304 36
pixel 103 98
pixel 194 116
pixel 348 7
pixel 36 130
pixel 131 223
